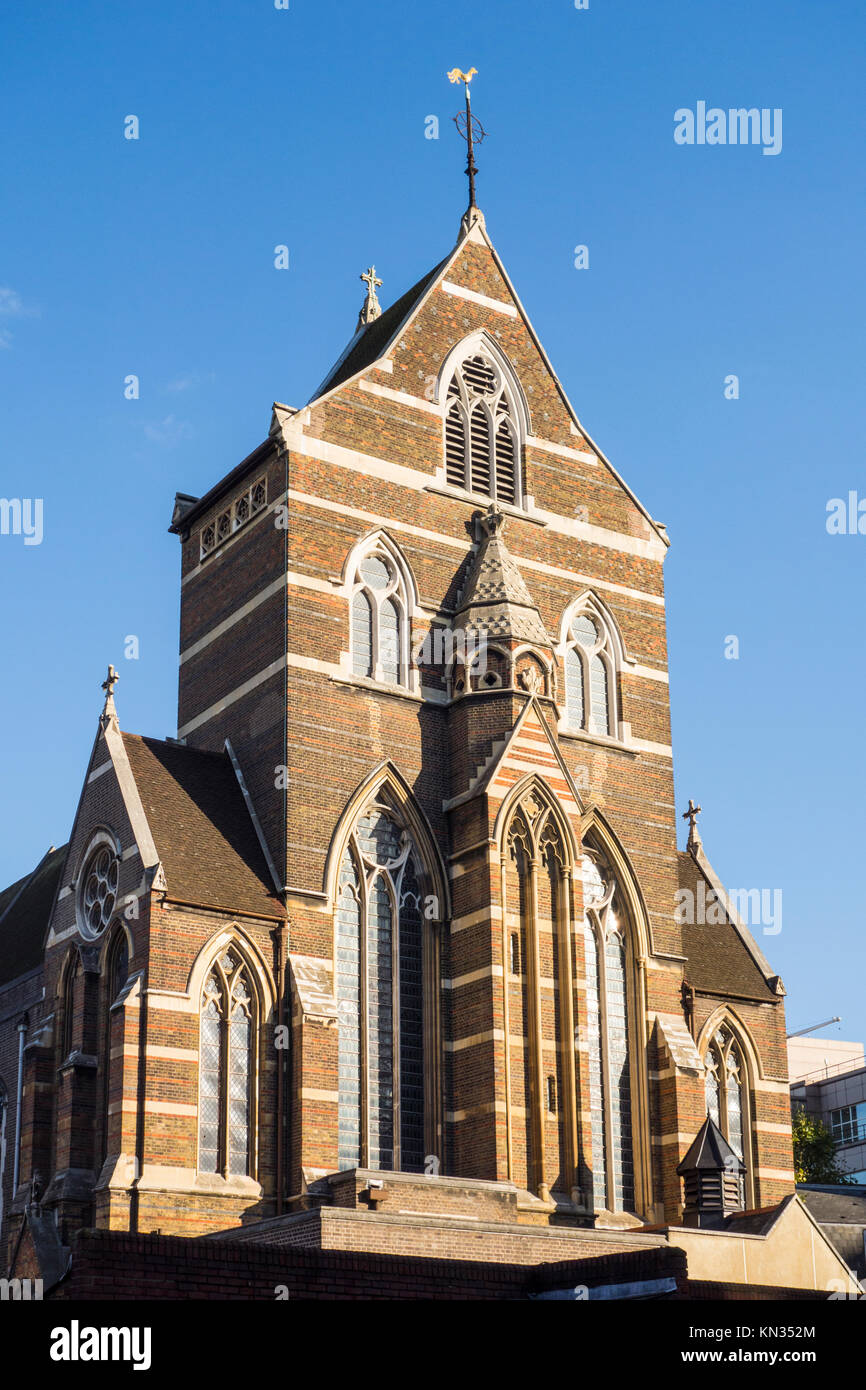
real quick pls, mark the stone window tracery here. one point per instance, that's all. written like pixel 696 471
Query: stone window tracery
pixel 380 626
pixel 610 1061
pixel 590 673
pixel 379 987
pixel 482 442
pixel 226 1067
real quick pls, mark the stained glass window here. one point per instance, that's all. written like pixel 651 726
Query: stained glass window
pixel 97 892
pixel 608 1040
pixel 725 1088
pixel 225 1069
pixel 380 998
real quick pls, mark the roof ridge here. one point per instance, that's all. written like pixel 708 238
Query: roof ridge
pixel 175 743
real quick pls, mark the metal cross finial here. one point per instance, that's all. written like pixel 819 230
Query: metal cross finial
pixel 471 129
pixel 371 308
pixel 109 683
pixel 691 815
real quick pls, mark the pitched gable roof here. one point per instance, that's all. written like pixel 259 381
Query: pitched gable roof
pixel 25 908
pixel 371 342
pixel 201 827
pixel 720 958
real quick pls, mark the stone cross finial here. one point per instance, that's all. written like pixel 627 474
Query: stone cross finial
pixel 108 686
pixel 691 815
pixel 371 308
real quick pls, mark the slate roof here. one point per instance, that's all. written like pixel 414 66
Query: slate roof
pixel 204 836
pixel 709 1152
pixel 835 1204
pixel 495 598
pixel 369 345
pixel 841 1213
pixel 25 907
pixel 719 960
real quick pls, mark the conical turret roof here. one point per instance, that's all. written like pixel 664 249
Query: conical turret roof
pixel 496 601
pixel 711 1152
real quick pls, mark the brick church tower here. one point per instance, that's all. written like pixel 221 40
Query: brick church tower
pixel 402 902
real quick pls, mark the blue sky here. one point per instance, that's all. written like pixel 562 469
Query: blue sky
pixel 305 127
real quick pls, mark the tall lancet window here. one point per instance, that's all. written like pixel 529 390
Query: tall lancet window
pixel 725 1088
pixel 380 609
pixel 482 452
pixel 604 928
pixel 590 674
pixel 226 1067
pixel 379 997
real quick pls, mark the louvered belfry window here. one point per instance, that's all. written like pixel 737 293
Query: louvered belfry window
pixel 379 998
pixel 481 453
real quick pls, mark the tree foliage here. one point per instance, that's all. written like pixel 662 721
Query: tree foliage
pixel 815 1151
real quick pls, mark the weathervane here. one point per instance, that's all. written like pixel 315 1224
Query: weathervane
pixel 469 127
pixel 371 308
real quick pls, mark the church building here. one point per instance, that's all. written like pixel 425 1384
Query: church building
pixel 396 928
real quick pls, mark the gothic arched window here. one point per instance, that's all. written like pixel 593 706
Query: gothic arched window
pixel 482 452
pixel 380 634
pixel 726 1089
pixel 116 974
pixel 590 673
pixel 226 1068
pixel 610 1062
pixel 379 990
pixel 67 1030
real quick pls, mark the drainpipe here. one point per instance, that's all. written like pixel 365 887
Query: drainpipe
pixel 19 1094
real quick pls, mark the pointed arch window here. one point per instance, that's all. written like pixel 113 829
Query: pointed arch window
pixel 590 674
pixel 116 975
pixel 380 629
pixel 379 973
pixel 226 1069
pixel 67 1033
pixel 482 445
pixel 726 1089
pixel 608 1029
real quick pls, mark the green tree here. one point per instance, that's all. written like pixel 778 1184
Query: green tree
pixel 815 1151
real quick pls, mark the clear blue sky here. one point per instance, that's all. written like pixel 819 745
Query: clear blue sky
pixel 306 127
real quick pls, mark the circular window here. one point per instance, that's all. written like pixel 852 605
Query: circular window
pixel 98 890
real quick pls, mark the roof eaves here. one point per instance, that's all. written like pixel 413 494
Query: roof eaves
pixel 224 485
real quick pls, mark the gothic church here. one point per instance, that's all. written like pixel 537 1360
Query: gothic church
pixel 390 928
